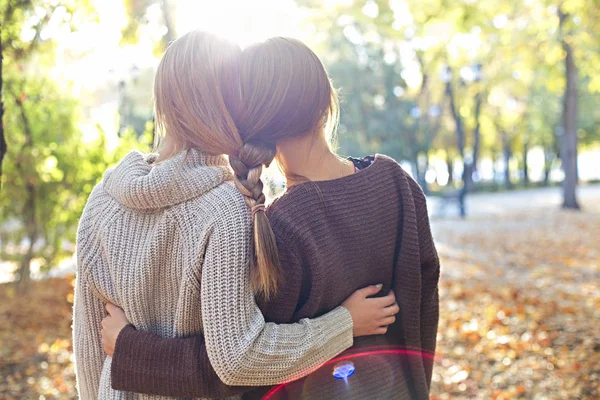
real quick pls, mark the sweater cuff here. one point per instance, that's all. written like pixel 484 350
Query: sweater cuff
pixel 123 362
pixel 134 366
pixel 336 330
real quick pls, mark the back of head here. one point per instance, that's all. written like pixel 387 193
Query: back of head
pixel 285 94
pixel 196 80
pixel 285 91
pixel 196 92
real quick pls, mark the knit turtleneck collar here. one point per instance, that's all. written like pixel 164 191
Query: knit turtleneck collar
pixel 138 184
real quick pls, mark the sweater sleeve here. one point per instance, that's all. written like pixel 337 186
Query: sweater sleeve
pixel 243 349
pixel 88 312
pixel 282 307
pixel 430 274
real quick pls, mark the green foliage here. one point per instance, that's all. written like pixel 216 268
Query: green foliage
pixel 136 11
pixel 137 14
pixel 370 47
pixel 50 167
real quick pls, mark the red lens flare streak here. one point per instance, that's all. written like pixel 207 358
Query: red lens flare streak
pixel 362 352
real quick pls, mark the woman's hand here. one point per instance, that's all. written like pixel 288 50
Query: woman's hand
pixel 371 316
pixel 112 325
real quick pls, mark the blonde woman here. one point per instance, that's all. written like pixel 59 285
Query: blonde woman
pixel 169 239
pixel 342 224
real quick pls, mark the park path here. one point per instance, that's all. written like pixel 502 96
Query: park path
pixel 519 295
pixel 489 204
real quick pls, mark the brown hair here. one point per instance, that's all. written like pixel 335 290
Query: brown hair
pixel 285 93
pixel 211 96
pixel 196 89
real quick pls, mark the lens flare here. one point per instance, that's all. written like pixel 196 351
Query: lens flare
pixel 343 370
pixel 344 365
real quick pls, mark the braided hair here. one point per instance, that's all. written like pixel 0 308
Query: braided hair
pixel 284 93
pixel 247 166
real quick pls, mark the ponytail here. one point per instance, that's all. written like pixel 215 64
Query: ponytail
pixel 247 167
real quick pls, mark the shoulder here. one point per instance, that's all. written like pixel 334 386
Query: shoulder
pixel 283 216
pixel 100 211
pixel 225 209
pixel 362 162
pixel 389 163
pixel 392 166
pixel 410 191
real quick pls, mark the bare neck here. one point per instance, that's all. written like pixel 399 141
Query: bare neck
pixel 167 149
pixel 310 157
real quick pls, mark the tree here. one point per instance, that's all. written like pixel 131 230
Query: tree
pixel 8 8
pixel 43 129
pixel 568 150
pixel 50 171
pixel 137 14
pixel 2 138
pixel 49 168
pixel 505 92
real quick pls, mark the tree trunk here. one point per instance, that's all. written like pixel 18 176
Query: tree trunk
pixel 425 187
pixel 29 208
pixel 477 130
pixel 548 159
pixel 507 156
pixel 568 146
pixel 416 168
pixel 467 175
pixel 525 167
pixel 3 147
pixel 450 168
pixel 422 171
pixel 460 135
pixel 32 233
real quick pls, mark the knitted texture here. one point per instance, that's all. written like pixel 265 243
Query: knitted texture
pixel 333 237
pixel 337 236
pixel 171 245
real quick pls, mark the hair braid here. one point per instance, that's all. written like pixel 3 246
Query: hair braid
pixel 247 167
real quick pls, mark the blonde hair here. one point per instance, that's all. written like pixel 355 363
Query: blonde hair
pixel 195 79
pixel 196 92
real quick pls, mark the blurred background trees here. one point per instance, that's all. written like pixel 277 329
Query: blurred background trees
pixel 477 96
pixel 478 84
pixel 49 166
pixel 474 95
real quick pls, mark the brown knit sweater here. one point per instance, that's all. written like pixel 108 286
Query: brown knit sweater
pixel 334 237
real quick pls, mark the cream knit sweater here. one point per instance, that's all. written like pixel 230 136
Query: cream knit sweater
pixel 170 244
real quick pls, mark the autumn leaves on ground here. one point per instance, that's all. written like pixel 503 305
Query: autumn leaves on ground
pixel 519 297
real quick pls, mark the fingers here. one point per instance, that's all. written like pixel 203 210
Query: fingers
pixel 382 330
pixel 111 308
pixel 388 321
pixel 392 310
pixel 114 311
pixel 369 290
pixel 385 301
pixel 388 315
